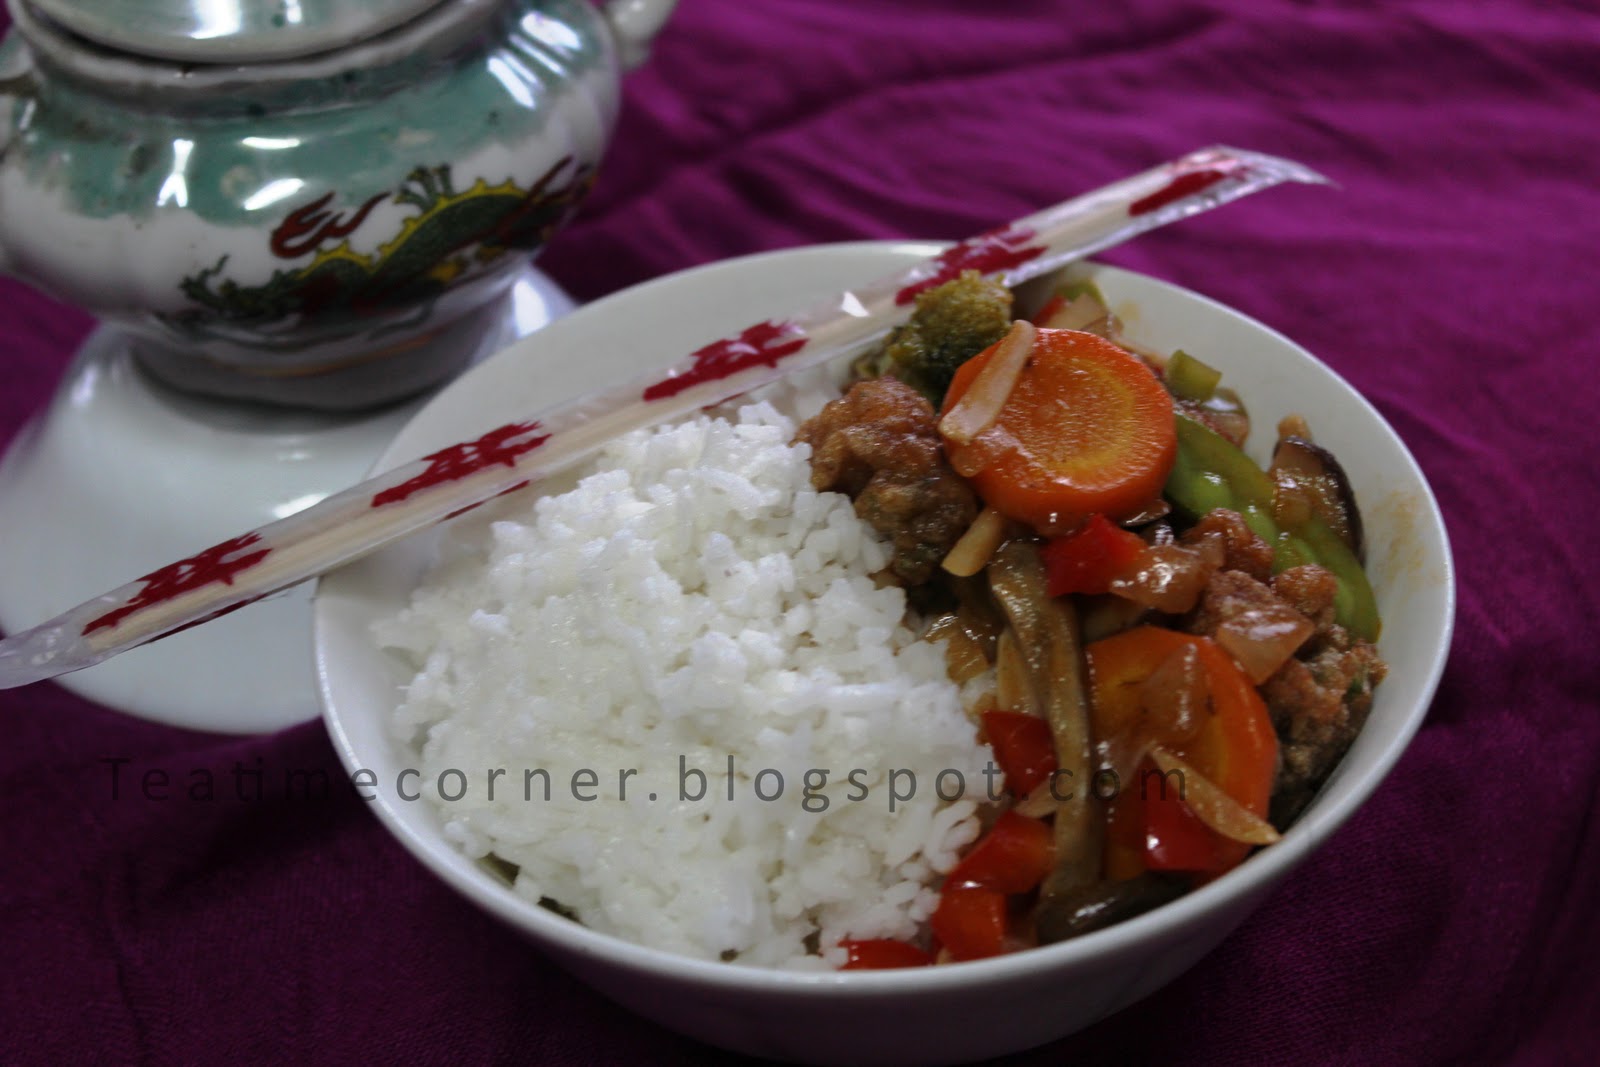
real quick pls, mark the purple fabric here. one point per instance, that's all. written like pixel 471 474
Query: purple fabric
pixel 1452 279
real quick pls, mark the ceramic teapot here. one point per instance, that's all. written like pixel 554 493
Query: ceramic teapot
pixel 308 202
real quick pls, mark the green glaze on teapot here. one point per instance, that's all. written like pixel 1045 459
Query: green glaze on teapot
pixel 288 218
pixel 115 161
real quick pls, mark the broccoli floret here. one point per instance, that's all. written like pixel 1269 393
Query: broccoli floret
pixel 951 324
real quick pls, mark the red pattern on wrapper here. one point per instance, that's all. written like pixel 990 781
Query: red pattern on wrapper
pixel 1181 186
pixel 500 446
pixel 1196 173
pixel 216 564
pixel 987 253
pixel 760 345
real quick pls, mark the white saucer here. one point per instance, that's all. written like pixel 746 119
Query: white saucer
pixel 121 475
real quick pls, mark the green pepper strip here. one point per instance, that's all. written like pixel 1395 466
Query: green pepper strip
pixel 1210 472
pixel 1190 379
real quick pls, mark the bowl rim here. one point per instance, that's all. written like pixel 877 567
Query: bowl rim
pixel 1319 822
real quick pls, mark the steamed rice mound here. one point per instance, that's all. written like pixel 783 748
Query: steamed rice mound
pixel 691 599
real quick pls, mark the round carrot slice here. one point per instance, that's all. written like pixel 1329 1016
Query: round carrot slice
pixel 1087 428
pixel 1235 748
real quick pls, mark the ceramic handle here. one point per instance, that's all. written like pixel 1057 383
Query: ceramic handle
pixel 635 24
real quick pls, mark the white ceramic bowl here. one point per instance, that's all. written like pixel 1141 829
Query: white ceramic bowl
pixel 928 1015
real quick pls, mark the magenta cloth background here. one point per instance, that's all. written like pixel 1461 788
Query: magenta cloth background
pixel 1452 278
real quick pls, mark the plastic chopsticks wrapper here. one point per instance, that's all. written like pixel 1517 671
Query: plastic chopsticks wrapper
pixel 437 487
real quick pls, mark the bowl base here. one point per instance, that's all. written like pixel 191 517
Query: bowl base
pixel 122 474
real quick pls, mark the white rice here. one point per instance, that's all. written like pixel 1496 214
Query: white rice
pixel 692 601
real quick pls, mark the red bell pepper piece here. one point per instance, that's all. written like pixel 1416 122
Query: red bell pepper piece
pixel 882 953
pixel 1013 857
pixel 1174 837
pixel 1022 746
pixel 1087 561
pixel 971 922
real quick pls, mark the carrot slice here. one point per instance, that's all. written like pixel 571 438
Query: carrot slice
pixel 1087 428
pixel 1235 749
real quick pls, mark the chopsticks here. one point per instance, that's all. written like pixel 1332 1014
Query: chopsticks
pixel 439 486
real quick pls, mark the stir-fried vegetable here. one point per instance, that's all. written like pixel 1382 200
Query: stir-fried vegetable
pixel 1013 857
pixel 1189 379
pixel 1172 835
pixel 1022 747
pixel 1091 559
pixel 1214 807
pixel 1209 716
pixel 1077 307
pixel 968 416
pixel 1307 480
pixel 970 922
pixel 1047 634
pixel 881 953
pixel 1087 429
pixel 951 324
pixel 1105 904
pixel 1211 473
pixel 1145 762
pixel 971 553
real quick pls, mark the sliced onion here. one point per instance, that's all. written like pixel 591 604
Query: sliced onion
pixel 971 553
pixel 1079 314
pixel 1121 755
pixel 1175 695
pixel 980 405
pixel 1214 807
pixel 1167 578
pixel 1263 638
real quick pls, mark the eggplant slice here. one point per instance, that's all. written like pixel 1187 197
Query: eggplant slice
pixel 1306 475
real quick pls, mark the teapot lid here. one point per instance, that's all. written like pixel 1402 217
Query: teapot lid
pixel 228 31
